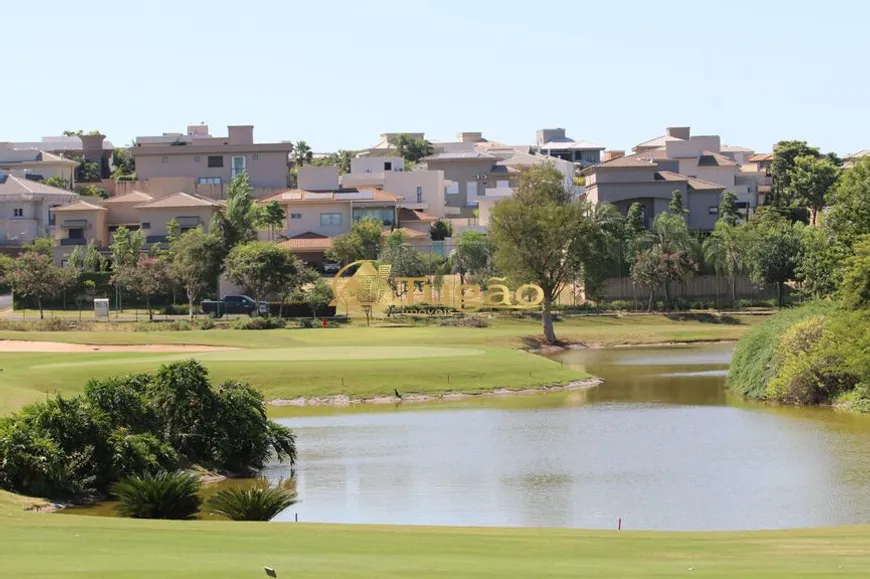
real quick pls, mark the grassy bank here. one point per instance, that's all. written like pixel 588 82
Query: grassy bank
pixel 357 361
pixel 78 546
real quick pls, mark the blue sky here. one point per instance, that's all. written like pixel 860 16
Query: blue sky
pixel 339 73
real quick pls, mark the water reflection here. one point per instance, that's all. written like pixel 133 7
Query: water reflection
pixel 660 444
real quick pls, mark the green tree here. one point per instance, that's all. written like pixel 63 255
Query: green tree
pixel 317 296
pixel 271 215
pixel 774 247
pixel 675 247
pixel 675 205
pixel 159 496
pixel 43 245
pixel 404 261
pixel 849 213
pixel 124 163
pixel 541 235
pixel 725 249
pixel 150 276
pixel 821 260
pixel 728 211
pixel 343 160
pixel 237 222
pixel 59 182
pixel 810 180
pixel 262 267
pixel 91 191
pixel 603 249
pixel 196 262
pixel 35 275
pixel 647 271
pixel 302 154
pixel 257 503
pixel 363 241
pixel 126 247
pixel 472 255
pixel 440 230
pixel 855 289
pixel 784 154
pixel 634 230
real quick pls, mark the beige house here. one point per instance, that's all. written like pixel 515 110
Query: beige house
pixel 187 210
pixel 91 147
pixel 555 143
pixel 37 165
pixel 208 160
pixel 419 189
pixel 79 223
pixel 636 179
pixel 25 208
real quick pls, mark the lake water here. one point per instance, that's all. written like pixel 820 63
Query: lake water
pixel 660 444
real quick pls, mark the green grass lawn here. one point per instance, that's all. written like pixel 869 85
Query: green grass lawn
pixel 353 360
pixel 40 545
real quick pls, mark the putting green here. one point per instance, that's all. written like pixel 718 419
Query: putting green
pixel 278 355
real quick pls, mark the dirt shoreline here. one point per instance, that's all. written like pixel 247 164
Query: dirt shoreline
pixel 567 346
pixel 345 400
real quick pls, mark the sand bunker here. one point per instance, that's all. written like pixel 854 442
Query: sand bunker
pixel 27 346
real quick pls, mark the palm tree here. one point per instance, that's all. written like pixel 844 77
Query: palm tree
pixel 258 503
pixel 675 247
pixel 724 249
pixel 166 495
pixel 302 153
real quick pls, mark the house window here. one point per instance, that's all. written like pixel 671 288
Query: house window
pixel 208 181
pixel 18 212
pixel 452 188
pixel 215 161
pixel 146 225
pixel 77 233
pixel 385 216
pixel 503 184
pixel 295 216
pixel 164 160
pixel 714 210
pixel 238 166
pixel 471 192
pixel 196 158
pixel 330 219
pixel 419 194
pixel 388 165
pixel 52 218
pixel 256 156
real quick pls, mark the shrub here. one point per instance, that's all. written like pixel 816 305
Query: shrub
pixel 206 324
pixel 162 496
pixel 251 504
pixel 137 425
pixel 261 323
pixel 469 322
pixel 174 310
pixel 172 326
pixel 306 323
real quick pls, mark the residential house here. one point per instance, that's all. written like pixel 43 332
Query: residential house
pixel 554 143
pixel 37 165
pixel 25 208
pixel 88 220
pixel 419 189
pixel 755 174
pixel 386 145
pixel 635 179
pixel 202 159
pixel 92 147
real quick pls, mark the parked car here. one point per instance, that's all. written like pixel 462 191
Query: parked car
pixel 234 305
pixel 331 268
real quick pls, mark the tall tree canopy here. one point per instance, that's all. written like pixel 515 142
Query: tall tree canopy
pixel 237 222
pixel 811 179
pixel 264 268
pixel 784 154
pixel 363 241
pixel 542 235
pixel 196 262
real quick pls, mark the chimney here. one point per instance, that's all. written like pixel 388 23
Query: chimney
pixel 241 134
pixel 611 155
pixel 469 137
pixel 678 132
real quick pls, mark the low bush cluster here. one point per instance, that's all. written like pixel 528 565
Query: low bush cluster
pixel 260 323
pixel 466 322
pixel 46 325
pixel 135 426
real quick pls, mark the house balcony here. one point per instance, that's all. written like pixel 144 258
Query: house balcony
pixel 68 241
pixel 415 206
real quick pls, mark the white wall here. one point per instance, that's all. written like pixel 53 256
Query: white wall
pixel 376 164
pixel 405 185
pixel 317 178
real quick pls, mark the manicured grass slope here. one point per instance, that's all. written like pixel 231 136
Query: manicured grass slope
pixel 56 546
pixel 358 361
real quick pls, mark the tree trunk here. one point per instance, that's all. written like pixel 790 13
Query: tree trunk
pixel 148 305
pixel 547 317
pixel 39 305
pixel 779 292
pixel 734 290
pixel 650 304
pixel 667 296
pixel 190 298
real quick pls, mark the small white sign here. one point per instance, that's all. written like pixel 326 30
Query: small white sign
pixel 101 309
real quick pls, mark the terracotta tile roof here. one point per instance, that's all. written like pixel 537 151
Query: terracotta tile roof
pixel 711 159
pixel 361 194
pixel 414 215
pixel 79 206
pixel 307 242
pixel 670 176
pixel 626 162
pixel 180 200
pixel 131 197
pixel 12 184
pixel 761 157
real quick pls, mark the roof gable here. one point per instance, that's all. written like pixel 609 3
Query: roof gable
pixel 180 200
